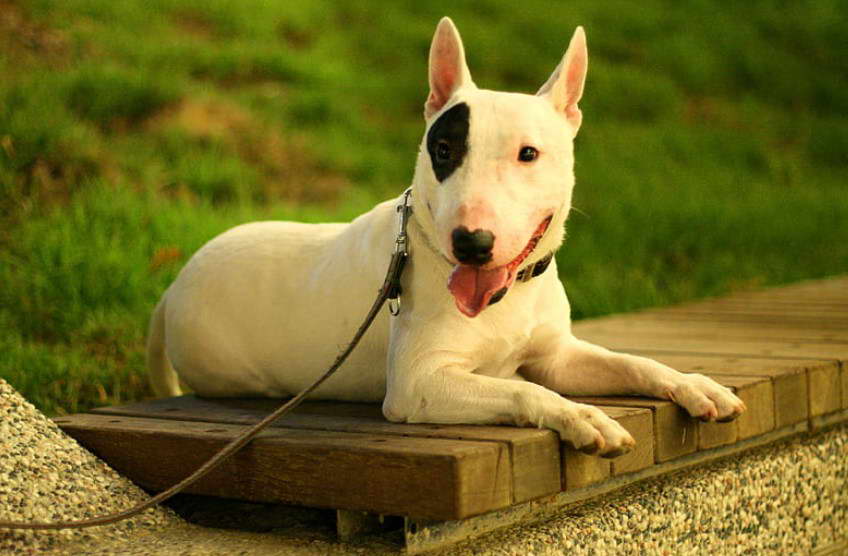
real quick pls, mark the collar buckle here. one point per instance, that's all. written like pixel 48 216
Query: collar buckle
pixel 400 255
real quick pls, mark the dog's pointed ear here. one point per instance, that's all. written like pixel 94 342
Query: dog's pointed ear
pixel 565 85
pixel 448 70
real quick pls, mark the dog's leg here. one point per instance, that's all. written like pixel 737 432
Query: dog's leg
pixel 571 366
pixel 451 393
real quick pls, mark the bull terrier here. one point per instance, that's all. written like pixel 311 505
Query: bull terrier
pixel 484 333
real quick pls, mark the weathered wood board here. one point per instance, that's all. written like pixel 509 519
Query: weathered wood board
pixel 428 477
pixel 580 470
pixel 783 351
pixel 843 366
pixel 758 395
pixel 675 432
pixel 534 453
pixel 789 378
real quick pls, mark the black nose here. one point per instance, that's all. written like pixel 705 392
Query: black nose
pixel 474 248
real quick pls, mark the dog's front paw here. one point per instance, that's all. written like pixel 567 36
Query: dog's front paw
pixel 706 399
pixel 591 431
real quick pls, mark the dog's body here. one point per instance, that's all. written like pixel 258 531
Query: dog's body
pixel 263 308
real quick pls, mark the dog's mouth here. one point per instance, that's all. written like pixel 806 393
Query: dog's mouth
pixel 474 287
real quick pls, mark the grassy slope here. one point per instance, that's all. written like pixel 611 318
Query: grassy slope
pixel 712 157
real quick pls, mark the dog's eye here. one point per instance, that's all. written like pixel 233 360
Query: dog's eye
pixel 443 151
pixel 528 154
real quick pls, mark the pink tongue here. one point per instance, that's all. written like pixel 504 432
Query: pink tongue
pixel 472 287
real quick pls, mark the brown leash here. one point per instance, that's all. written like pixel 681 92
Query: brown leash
pixel 390 290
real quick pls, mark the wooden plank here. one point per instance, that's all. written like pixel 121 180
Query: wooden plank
pixel 425 477
pixel 534 453
pixel 639 423
pixel 843 370
pixel 531 449
pixel 824 392
pixel 675 432
pixel 758 395
pixel 836 312
pixel 829 420
pixel 536 465
pixel 580 470
pixel 788 376
pixel 626 325
pixel 766 321
pixel 767 306
pixel 712 435
pixel 824 381
pixel 683 344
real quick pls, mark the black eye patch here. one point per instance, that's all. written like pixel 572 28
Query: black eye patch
pixel 447 140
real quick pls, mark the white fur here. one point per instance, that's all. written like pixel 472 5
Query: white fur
pixel 264 308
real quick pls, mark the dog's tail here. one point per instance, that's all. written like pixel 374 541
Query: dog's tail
pixel 163 378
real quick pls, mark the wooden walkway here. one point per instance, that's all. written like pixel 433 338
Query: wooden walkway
pixel 783 351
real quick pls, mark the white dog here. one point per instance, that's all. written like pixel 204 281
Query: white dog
pixel 484 334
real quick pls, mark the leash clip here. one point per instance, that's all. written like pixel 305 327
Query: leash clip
pixel 400 255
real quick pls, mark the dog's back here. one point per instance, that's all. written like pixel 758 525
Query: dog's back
pixel 263 307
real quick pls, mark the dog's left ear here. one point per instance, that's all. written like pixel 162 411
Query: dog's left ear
pixel 565 85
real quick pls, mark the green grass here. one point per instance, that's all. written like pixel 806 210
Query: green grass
pixel 712 156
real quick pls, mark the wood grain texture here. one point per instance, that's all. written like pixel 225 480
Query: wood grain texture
pixel 752 348
pixel 788 376
pixel 712 435
pixel 534 453
pixel 830 312
pixel 639 422
pixel 431 478
pixel 824 390
pixel 824 380
pixel 758 395
pixel 658 324
pixel 838 326
pixel 675 432
pixel 580 470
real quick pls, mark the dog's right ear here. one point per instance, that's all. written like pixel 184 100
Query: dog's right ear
pixel 448 70
pixel 565 85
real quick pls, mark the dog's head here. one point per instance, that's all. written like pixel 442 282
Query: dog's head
pixel 495 170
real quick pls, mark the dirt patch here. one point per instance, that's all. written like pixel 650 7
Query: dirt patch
pixel 298 39
pixel 27 42
pixel 289 169
pixel 194 24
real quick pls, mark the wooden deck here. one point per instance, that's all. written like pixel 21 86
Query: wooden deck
pixel 783 351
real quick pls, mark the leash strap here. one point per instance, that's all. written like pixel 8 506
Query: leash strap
pixel 390 290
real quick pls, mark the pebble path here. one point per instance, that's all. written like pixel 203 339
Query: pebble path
pixel 787 498
pixel 46 476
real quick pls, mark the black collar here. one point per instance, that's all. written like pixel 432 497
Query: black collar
pixel 531 271
pixel 525 275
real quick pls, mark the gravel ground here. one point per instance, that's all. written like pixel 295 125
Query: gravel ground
pixel 789 498
pixel 46 476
